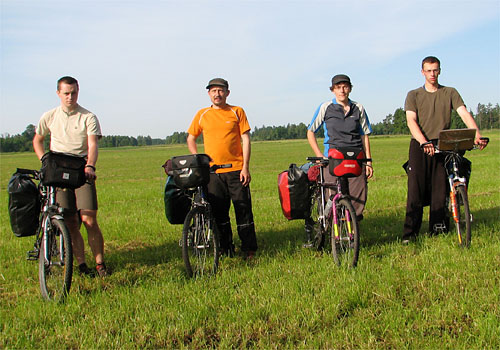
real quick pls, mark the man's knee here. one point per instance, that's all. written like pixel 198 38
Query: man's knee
pixel 89 218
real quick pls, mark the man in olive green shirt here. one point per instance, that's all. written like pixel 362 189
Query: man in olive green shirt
pixel 428 111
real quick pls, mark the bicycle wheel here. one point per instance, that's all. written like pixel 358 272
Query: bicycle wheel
pixel 464 218
pixel 200 243
pixel 318 233
pixel 55 263
pixel 345 242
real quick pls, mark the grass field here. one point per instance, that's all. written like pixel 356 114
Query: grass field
pixel 428 295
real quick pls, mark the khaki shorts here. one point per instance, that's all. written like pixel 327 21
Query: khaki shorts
pixel 84 197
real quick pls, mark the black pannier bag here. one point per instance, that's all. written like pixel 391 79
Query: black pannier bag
pixel 63 170
pixel 191 170
pixel 177 202
pixel 293 190
pixel 24 205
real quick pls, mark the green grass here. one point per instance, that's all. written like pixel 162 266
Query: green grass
pixel 427 295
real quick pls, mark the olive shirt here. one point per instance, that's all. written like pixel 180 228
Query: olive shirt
pixel 433 108
pixel 69 132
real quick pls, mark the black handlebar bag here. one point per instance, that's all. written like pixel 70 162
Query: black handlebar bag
pixel 63 170
pixel 191 170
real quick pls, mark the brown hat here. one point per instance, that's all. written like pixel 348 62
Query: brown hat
pixel 340 78
pixel 218 82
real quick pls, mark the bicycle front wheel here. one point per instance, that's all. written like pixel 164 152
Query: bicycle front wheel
pixel 464 218
pixel 55 263
pixel 200 243
pixel 345 235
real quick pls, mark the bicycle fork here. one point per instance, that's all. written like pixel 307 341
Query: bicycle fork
pixel 336 219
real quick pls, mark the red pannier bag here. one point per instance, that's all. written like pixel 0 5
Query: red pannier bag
pixel 346 161
pixel 293 190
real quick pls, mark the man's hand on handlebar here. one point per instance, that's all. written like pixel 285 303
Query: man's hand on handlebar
pixel 428 148
pixel 482 142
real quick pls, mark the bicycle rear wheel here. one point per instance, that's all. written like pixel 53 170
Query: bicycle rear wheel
pixel 318 233
pixel 464 218
pixel 200 243
pixel 55 263
pixel 345 242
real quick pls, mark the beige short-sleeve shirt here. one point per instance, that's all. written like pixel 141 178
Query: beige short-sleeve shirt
pixel 69 132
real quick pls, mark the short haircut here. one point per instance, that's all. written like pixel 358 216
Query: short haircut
pixel 431 59
pixel 67 80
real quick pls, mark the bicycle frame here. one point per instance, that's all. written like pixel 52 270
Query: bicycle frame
pixel 336 198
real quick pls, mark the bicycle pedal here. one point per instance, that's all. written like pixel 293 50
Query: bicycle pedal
pixel 32 255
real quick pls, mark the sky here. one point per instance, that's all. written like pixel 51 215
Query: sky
pixel 143 65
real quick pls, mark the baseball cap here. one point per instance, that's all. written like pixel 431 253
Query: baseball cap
pixel 218 82
pixel 340 78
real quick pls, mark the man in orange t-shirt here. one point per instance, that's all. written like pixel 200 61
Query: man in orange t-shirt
pixel 226 138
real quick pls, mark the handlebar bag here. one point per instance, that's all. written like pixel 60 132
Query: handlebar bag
pixel 24 205
pixel 63 170
pixel 293 190
pixel 177 202
pixel 191 170
pixel 346 161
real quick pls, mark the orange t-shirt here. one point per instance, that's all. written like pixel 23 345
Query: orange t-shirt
pixel 222 130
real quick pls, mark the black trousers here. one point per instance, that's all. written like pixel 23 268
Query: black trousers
pixel 426 186
pixel 222 189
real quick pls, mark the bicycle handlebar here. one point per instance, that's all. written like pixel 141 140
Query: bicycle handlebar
pixel 437 150
pixel 214 167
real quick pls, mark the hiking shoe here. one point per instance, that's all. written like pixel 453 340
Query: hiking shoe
pixel 102 270
pixel 84 270
pixel 250 255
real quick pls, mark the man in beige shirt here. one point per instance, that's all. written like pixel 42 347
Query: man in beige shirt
pixel 75 130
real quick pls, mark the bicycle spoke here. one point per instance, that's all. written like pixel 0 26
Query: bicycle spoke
pixel 200 248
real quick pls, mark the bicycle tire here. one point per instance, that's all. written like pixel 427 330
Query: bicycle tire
pixel 345 246
pixel 318 233
pixel 200 243
pixel 55 269
pixel 464 220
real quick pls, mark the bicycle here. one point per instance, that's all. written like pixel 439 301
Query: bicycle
pixel 334 217
pixel 453 144
pixel 52 247
pixel 200 235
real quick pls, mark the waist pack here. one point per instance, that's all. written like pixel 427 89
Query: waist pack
pixel 63 170
pixel 293 190
pixel 177 202
pixel 191 170
pixel 24 205
pixel 346 161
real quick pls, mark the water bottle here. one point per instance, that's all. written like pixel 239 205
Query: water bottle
pixel 328 206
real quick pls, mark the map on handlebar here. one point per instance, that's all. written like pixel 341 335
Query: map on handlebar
pixel 456 139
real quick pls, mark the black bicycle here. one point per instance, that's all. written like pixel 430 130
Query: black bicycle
pixel 52 246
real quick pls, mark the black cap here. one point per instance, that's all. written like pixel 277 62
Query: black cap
pixel 340 78
pixel 218 82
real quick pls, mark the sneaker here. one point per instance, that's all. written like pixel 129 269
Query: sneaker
pixel 84 270
pixel 102 270
pixel 408 239
pixel 250 255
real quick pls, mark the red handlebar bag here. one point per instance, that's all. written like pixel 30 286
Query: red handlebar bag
pixel 345 161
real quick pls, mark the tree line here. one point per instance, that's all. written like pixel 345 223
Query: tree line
pixel 487 117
